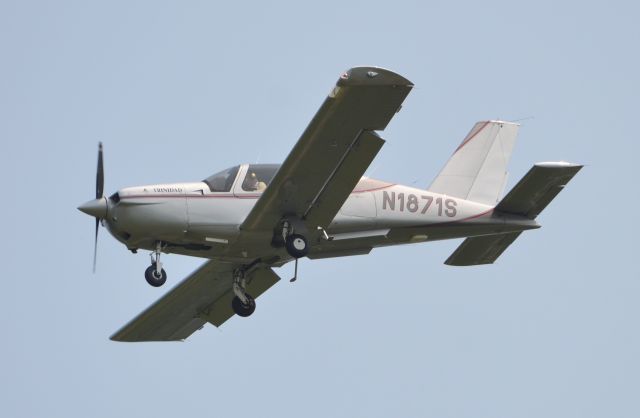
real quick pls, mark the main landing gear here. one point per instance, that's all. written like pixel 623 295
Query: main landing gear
pixel 296 244
pixel 155 274
pixel 297 247
pixel 243 304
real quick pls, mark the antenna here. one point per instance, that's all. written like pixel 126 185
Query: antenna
pixel 521 119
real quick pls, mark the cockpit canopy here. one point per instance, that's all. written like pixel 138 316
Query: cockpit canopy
pixel 222 181
pixel 259 176
pixel 256 178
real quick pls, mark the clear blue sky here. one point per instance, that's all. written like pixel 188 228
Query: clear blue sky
pixel 179 90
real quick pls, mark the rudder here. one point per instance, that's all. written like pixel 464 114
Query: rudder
pixel 477 170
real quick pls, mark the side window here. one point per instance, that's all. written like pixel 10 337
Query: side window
pixel 258 177
pixel 222 181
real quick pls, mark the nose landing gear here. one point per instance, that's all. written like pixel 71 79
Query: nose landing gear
pixel 155 274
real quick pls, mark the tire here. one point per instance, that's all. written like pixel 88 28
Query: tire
pixel 152 277
pixel 297 246
pixel 241 309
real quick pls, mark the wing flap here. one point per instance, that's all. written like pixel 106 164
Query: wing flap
pixel 343 180
pixel 203 296
pixel 333 152
pixel 481 250
pixel 537 189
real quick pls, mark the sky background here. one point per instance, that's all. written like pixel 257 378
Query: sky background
pixel 180 90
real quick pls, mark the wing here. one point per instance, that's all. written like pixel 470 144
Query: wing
pixel 204 296
pixel 333 152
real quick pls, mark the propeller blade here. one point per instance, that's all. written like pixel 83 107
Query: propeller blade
pixel 99 193
pixel 95 246
pixel 99 175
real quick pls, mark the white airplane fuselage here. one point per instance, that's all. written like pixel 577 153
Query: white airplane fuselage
pixel 192 220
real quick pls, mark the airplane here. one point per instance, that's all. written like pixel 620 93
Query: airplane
pixel 251 218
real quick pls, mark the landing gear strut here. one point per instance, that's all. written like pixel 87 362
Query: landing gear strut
pixel 243 304
pixel 155 274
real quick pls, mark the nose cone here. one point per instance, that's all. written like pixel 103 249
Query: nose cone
pixel 97 207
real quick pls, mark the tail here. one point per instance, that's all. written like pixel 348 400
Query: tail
pixel 477 170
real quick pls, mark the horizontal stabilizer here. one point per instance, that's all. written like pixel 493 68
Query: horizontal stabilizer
pixel 537 188
pixel 481 250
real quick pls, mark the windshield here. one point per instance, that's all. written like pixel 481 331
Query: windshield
pixel 222 181
pixel 258 177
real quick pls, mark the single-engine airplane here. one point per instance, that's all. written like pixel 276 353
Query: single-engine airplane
pixel 250 218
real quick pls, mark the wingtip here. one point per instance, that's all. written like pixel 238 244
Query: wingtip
pixel 558 164
pixel 373 75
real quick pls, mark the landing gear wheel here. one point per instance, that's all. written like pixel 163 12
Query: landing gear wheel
pixel 296 245
pixel 152 276
pixel 240 308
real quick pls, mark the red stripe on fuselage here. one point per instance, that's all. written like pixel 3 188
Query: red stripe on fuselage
pixel 228 196
pixel 181 196
pixel 373 190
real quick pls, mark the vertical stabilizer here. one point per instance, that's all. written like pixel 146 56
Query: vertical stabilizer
pixel 477 170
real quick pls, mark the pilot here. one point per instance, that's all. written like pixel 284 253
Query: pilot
pixel 252 183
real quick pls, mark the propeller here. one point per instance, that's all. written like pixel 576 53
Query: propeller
pixel 99 195
pixel 98 207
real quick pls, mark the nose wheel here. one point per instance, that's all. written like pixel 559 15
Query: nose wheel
pixel 154 277
pixel 155 274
